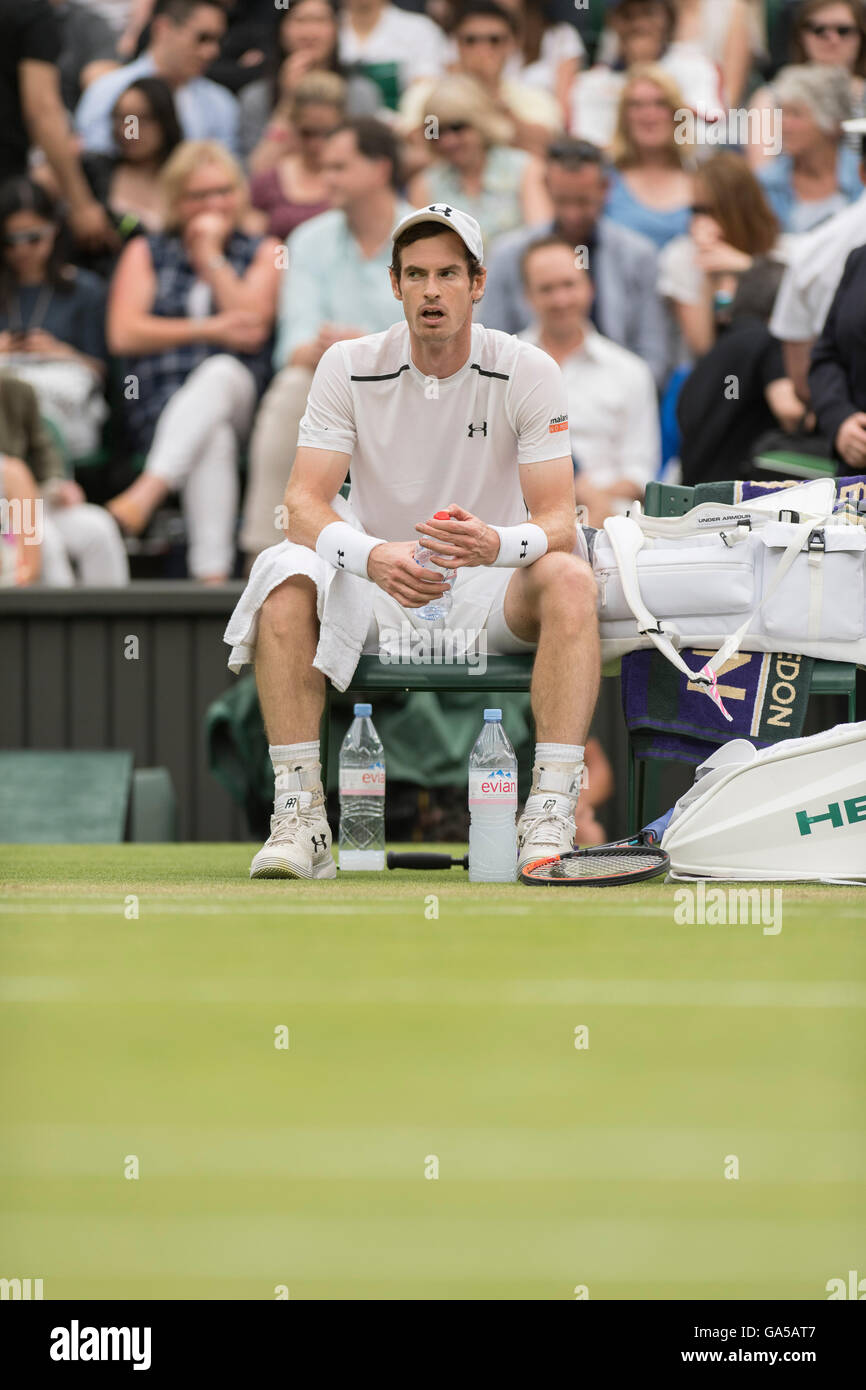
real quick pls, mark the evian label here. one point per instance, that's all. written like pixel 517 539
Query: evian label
pixel 493 787
pixel 363 781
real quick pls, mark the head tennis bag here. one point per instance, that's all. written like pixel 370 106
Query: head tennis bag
pixel 789 577
pixel 795 811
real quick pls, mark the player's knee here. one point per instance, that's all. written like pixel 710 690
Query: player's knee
pixel 567 583
pixel 289 607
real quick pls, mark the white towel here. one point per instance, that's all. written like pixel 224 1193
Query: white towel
pixel 344 605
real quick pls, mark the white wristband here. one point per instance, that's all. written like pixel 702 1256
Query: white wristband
pixel 520 545
pixel 345 548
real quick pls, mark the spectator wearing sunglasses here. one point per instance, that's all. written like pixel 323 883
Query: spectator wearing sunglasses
pixel 51 316
pixel 485 38
pixel 825 34
pixel 185 39
pixel 475 167
pixel 293 190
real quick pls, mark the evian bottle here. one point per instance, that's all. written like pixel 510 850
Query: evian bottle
pixel 362 795
pixel 492 804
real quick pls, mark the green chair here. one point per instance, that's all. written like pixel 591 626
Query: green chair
pixel 828 677
pixel 374 676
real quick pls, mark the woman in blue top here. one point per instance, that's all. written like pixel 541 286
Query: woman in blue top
pixel 650 186
pixel 817 174
pixel 192 311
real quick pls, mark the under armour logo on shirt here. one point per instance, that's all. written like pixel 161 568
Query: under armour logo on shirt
pixel 477 429
pixel 524 545
pixel 340 554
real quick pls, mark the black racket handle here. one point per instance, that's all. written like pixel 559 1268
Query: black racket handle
pixel 425 860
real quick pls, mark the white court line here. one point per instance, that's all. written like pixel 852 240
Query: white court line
pixel 830 994
pixel 244 908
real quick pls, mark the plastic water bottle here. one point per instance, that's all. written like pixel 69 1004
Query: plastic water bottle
pixel 492 804
pixel 362 795
pixel 438 608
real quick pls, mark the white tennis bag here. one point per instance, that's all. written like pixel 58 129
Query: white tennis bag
pixel 780 574
pixel 792 812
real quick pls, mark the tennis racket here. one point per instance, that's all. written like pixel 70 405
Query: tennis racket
pixel 604 866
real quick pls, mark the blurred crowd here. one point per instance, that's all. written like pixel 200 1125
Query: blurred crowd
pixel 196 200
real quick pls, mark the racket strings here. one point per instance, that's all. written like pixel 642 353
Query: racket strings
pixel 609 864
pixel 604 866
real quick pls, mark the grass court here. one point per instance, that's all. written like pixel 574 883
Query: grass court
pixel 416 1040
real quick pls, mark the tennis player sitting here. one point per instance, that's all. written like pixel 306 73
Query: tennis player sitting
pixel 433 414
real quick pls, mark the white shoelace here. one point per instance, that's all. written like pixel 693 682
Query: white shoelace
pixel 285 826
pixel 534 823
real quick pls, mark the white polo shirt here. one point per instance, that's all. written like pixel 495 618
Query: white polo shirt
pixel 413 42
pixel 612 401
pixel 419 443
pixel 812 278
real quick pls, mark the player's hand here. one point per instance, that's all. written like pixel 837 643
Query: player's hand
pixel 851 439
pixel 392 566
pixel 462 542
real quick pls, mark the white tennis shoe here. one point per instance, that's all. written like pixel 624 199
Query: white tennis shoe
pixel 546 827
pixel 299 845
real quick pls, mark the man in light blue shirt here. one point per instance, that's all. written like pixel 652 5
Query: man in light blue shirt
pixel 336 286
pixel 185 40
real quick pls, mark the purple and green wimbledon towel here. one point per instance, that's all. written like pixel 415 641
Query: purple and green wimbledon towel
pixel 669 716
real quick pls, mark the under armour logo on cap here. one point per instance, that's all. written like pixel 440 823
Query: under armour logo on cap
pixel 460 222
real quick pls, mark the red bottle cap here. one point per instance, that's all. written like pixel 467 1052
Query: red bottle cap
pixel 442 516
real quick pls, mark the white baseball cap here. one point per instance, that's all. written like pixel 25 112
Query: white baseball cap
pixel 465 226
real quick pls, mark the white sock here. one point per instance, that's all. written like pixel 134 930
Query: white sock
pixel 288 760
pixel 559 753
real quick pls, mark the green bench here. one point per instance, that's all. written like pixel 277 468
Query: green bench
pixel 372 676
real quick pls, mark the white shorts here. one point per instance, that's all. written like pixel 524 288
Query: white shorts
pixel 478 606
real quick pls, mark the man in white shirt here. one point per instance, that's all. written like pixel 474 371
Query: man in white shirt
pixel 811 281
pixel 434 414
pixel 612 404
pixel 396 46
pixel 185 39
